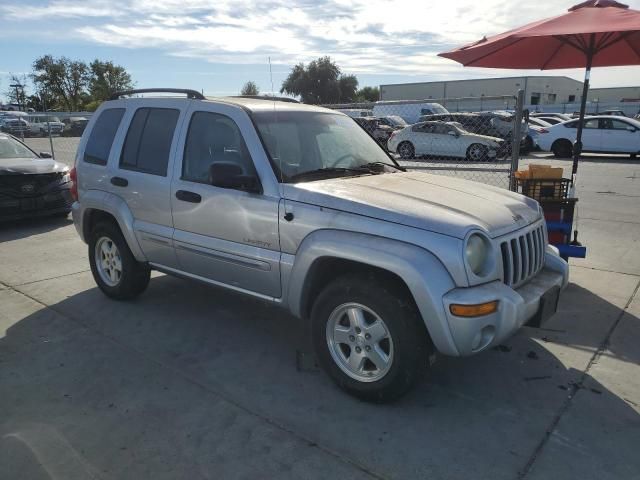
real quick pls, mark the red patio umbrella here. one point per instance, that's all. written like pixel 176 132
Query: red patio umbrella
pixel 595 33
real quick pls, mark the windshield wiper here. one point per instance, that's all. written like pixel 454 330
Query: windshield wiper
pixel 330 170
pixel 383 164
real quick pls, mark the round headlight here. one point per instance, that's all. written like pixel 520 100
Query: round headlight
pixel 476 253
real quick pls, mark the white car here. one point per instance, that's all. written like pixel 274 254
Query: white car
pixel 443 139
pixel 41 125
pixel 601 134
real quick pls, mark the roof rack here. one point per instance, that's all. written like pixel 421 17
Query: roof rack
pixel 268 97
pixel 189 93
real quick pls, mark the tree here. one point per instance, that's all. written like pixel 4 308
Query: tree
pixel 106 78
pixel 250 88
pixel 65 79
pixel 320 82
pixel 368 94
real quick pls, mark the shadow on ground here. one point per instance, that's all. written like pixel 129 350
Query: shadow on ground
pixel 137 404
pixel 17 229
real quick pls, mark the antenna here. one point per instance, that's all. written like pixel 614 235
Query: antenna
pixel 287 215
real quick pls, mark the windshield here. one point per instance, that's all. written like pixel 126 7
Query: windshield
pixel 301 142
pixel 10 148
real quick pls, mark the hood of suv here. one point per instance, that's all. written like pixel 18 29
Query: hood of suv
pixel 431 202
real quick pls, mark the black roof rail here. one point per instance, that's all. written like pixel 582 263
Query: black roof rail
pixel 189 93
pixel 268 97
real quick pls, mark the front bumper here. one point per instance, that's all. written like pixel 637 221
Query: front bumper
pixel 51 203
pixel 515 309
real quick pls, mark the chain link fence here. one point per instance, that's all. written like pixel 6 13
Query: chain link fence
pixel 469 138
pixel 54 133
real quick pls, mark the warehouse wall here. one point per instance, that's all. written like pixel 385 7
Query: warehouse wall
pixel 614 94
pixel 546 90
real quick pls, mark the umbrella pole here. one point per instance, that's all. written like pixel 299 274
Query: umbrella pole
pixel 577 147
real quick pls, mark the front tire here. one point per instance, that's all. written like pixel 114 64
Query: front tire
pixel 116 271
pixel 369 338
pixel 406 150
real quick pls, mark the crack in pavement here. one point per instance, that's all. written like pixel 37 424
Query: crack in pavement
pixel 574 388
pixel 222 396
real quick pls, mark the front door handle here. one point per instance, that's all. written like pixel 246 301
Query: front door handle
pixel 187 196
pixel 119 181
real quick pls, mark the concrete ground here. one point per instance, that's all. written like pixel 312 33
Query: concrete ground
pixel 193 382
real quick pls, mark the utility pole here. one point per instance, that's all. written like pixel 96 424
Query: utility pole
pixel 19 93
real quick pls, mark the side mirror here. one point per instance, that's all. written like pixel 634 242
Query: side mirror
pixel 45 155
pixel 631 129
pixel 230 175
pixel 452 133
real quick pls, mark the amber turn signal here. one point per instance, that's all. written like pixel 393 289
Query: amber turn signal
pixel 473 310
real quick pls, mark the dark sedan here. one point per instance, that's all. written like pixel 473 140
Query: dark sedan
pixel 31 184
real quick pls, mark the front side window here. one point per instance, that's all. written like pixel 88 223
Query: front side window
pixel 148 143
pixel 213 138
pixel 102 135
pixel 611 124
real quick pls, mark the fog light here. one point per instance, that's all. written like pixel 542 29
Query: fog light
pixel 473 310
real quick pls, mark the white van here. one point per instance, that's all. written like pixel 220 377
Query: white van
pixel 409 110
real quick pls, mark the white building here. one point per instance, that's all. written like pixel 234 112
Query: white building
pixel 539 90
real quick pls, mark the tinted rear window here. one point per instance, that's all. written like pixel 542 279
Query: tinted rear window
pixel 148 143
pixel 102 135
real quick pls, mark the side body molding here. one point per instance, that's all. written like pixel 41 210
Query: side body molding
pixel 425 276
pixel 116 206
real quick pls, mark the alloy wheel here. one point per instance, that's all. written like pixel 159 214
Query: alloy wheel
pixel 359 342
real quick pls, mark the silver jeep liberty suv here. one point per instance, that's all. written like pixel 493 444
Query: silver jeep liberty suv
pixel 299 206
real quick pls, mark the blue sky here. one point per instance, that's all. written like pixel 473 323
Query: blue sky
pixel 216 46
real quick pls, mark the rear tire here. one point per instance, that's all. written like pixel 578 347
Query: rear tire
pixel 352 347
pixel 116 271
pixel 477 153
pixel 562 148
pixel 406 150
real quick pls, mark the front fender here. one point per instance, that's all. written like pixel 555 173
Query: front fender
pixel 426 277
pixel 93 200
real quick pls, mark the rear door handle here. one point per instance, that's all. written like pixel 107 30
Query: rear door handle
pixel 187 196
pixel 119 181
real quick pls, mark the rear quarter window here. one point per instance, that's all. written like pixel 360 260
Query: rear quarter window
pixel 148 143
pixel 101 138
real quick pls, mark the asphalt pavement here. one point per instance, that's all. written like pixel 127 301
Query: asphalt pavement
pixel 194 382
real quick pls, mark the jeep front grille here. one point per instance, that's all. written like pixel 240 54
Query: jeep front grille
pixel 523 255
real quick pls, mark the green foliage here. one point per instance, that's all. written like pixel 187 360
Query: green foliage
pixel 321 82
pixel 250 88
pixel 368 94
pixel 72 85
pixel 107 79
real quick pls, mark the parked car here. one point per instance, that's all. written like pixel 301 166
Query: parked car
pixel 600 134
pixel 393 121
pixel 376 128
pixel 31 184
pixel 492 124
pixel 296 205
pixel 540 122
pixel 443 139
pixel 356 112
pixel 615 113
pixel 545 115
pixel 74 126
pixel 14 126
pixel 42 125
pixel 409 111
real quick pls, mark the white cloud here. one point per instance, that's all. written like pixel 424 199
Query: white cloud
pixel 364 36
